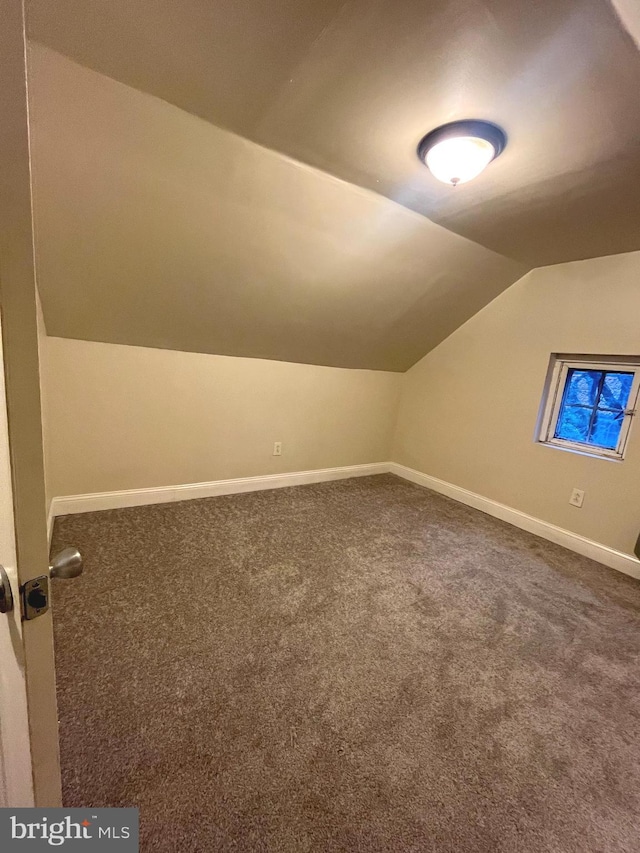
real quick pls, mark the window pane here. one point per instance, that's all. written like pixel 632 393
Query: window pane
pixel 615 391
pixel 606 429
pixel 582 387
pixel 587 407
pixel 573 423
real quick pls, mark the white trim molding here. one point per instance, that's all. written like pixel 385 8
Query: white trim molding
pixel 50 520
pixel 71 504
pixel 618 560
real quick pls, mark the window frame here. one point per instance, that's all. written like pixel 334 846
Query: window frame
pixel 554 393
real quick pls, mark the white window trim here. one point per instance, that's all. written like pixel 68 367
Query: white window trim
pixel 554 390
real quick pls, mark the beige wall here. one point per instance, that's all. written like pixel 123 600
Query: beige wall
pixel 122 417
pixel 468 409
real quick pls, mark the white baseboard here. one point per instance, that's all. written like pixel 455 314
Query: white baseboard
pixel 71 504
pixel 625 563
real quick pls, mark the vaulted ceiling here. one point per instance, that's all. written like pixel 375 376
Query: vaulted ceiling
pixel 296 222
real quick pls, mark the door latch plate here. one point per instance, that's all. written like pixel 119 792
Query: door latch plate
pixel 35 597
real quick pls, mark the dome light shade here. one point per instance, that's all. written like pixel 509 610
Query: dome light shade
pixel 457 152
pixel 459 159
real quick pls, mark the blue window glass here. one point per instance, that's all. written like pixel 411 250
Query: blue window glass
pixel 593 407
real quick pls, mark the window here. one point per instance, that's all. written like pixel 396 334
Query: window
pixel 589 404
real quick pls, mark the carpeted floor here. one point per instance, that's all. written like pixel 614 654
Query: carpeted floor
pixel 353 666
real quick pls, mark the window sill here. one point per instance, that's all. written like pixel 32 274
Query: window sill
pixel 579 451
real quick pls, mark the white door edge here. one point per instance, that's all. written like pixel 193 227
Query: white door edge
pixel 16 777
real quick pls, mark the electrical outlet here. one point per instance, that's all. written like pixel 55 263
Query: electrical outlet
pixel 277 448
pixel 577 497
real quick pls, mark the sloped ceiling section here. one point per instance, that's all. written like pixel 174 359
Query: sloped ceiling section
pixel 350 86
pixel 156 228
pixel 629 13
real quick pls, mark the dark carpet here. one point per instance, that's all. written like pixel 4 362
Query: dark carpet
pixel 361 665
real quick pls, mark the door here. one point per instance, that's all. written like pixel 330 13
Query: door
pixel 16 786
pixel 29 762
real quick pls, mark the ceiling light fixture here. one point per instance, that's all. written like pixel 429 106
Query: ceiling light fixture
pixel 457 152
